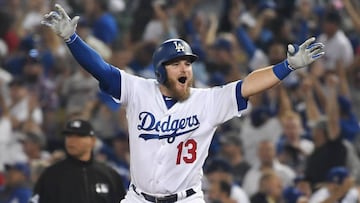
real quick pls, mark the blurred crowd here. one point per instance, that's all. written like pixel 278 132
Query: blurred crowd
pixel 297 142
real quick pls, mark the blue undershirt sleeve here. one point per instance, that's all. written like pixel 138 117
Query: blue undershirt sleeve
pixel 245 41
pixel 108 76
pixel 241 101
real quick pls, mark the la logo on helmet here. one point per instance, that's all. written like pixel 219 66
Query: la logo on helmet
pixel 179 47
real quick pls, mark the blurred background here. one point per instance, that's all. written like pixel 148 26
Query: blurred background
pixel 287 146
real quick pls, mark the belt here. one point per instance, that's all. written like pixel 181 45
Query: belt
pixel 163 199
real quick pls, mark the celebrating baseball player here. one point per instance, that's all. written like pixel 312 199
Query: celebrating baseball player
pixel 171 124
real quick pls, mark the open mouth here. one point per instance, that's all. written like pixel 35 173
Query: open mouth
pixel 182 80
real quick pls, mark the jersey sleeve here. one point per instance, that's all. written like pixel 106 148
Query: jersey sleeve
pixel 318 196
pixel 226 102
pixel 128 86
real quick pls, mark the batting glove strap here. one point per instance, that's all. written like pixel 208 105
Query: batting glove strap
pixel 72 38
pixel 283 69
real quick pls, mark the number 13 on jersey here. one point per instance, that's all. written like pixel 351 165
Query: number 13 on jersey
pixel 189 156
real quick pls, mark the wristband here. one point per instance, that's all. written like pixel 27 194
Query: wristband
pixel 283 69
pixel 72 38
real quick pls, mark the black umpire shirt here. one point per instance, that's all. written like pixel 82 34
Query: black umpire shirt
pixel 75 181
pixel 331 154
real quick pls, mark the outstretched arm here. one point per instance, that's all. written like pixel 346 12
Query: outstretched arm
pixel 297 57
pixel 107 75
pixel 258 81
pixel 332 106
pixel 353 13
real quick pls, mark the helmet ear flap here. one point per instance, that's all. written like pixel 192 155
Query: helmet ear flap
pixel 161 74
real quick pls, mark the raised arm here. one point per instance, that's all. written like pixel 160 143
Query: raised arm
pixel 332 106
pixel 313 113
pixel 284 101
pixel 344 89
pixel 353 13
pixel 297 57
pixel 107 75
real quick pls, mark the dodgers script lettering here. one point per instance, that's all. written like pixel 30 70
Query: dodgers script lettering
pixel 169 128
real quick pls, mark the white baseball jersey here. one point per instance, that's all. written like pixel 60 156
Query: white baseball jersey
pixel 168 147
pixel 352 196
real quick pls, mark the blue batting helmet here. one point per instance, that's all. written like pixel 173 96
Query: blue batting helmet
pixel 167 51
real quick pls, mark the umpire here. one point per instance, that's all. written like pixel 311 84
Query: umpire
pixel 79 178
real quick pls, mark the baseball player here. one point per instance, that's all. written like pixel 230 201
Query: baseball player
pixel 170 123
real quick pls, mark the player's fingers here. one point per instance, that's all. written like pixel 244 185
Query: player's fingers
pixel 317 54
pixel 316 49
pixel 61 11
pixel 307 42
pixel 315 57
pixel 54 21
pixel 292 49
pixel 54 15
pixel 315 46
pixel 51 18
pixel 44 22
pixel 46 16
pixel 75 20
pixel 47 23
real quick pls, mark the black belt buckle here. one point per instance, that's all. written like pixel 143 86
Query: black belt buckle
pixel 166 199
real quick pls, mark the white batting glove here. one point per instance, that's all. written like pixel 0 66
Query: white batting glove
pixel 305 54
pixel 60 22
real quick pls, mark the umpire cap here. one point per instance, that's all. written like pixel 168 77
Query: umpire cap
pixel 78 127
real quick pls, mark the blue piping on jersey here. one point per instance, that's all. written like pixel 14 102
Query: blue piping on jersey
pixel 241 101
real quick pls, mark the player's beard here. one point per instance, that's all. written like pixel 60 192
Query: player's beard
pixel 179 94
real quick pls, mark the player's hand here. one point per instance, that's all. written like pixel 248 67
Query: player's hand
pixel 305 54
pixel 60 22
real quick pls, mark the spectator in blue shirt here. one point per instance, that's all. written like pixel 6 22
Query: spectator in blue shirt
pixel 104 25
pixel 16 187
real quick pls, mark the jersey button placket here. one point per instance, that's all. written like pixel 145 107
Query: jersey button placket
pixel 160 166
